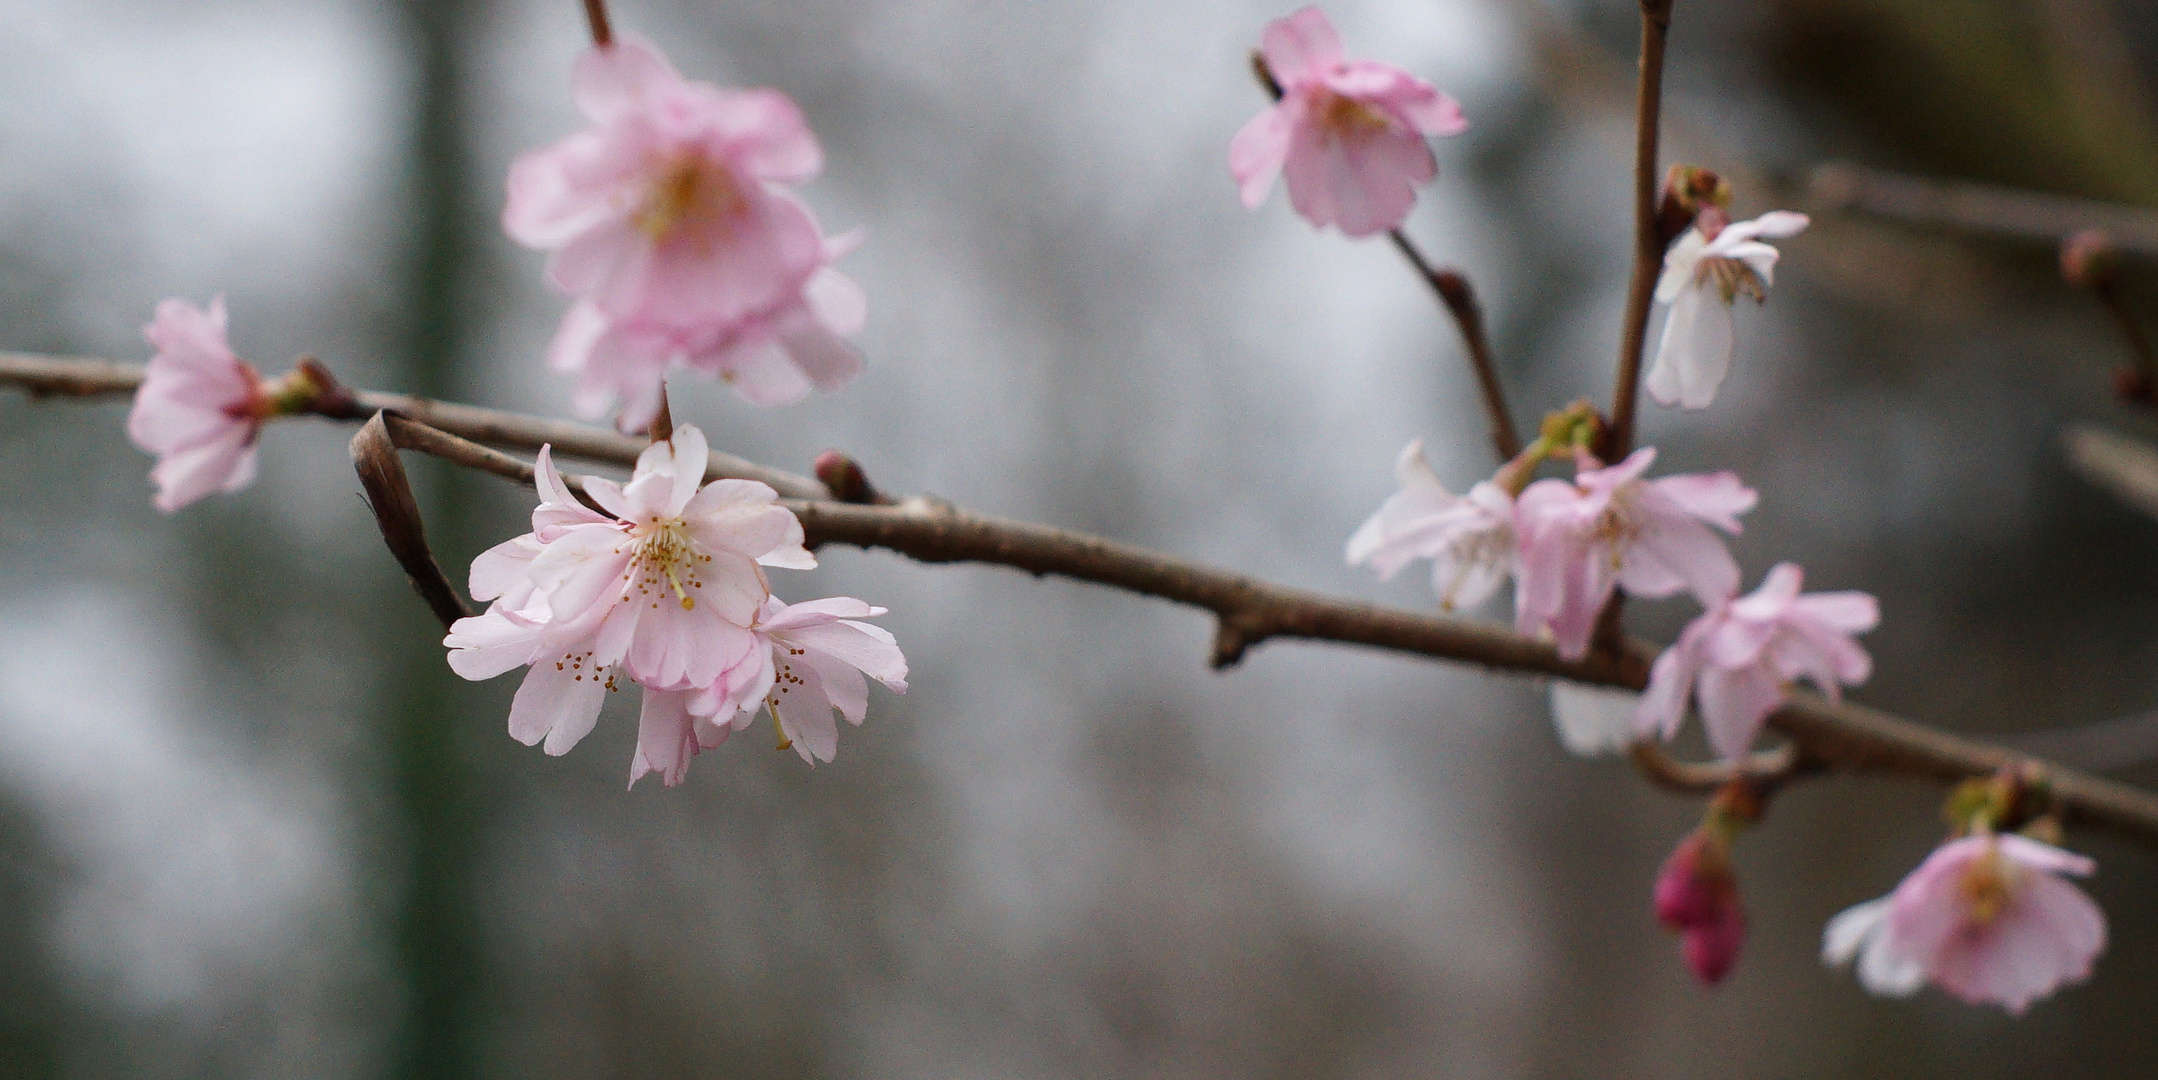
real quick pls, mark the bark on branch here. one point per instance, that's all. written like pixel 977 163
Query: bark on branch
pixel 1248 611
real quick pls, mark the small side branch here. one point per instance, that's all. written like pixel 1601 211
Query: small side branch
pixel 1460 299
pixel 1454 293
pixel 397 514
pixel 595 14
pixel 1648 232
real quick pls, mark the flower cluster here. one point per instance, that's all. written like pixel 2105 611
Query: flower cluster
pixel 671 225
pixel 664 585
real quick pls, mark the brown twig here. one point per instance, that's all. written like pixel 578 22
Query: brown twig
pixel 78 377
pixel 1765 770
pixel 1454 293
pixel 1648 234
pixel 1249 611
pixel 1460 299
pixel 397 514
pixel 595 13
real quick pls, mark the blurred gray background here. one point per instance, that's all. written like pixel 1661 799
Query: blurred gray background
pixel 251 825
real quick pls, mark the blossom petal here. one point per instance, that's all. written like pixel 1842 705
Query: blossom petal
pixel 1258 151
pixel 1694 355
pixel 1300 46
pixel 1733 706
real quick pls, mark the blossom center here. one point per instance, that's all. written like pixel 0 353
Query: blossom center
pixel 1988 886
pixel 664 561
pixel 1348 118
pixel 783 680
pixel 692 195
pixel 1732 279
pixel 1617 526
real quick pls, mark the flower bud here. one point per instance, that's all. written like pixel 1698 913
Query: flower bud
pixel 1712 950
pixel 1687 190
pixel 2089 259
pixel 1697 895
pixel 844 476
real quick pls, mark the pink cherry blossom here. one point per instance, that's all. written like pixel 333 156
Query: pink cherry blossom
pixel 1468 538
pixel 661 587
pixel 812 661
pixel 1703 274
pixel 1990 919
pixel 770 357
pixel 1348 135
pixel 1697 896
pixel 200 407
pixel 1580 541
pixel 1740 658
pixel 667 209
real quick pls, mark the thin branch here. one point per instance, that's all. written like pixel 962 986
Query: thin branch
pixel 2002 212
pixel 595 14
pixel 1647 230
pixel 1249 611
pixel 1767 769
pixel 397 514
pixel 1452 288
pixel 1454 291
pixel 77 377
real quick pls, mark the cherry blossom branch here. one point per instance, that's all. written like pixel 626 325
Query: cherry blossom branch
pixel 1452 288
pixel 595 13
pixel 1248 611
pixel 81 377
pixel 1648 239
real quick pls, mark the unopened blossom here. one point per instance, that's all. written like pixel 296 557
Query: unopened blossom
pixel 1697 895
pixel 1991 919
pixel 771 357
pixel 1740 658
pixel 1468 538
pixel 661 588
pixel 200 407
pixel 1347 135
pixel 1704 273
pixel 1581 540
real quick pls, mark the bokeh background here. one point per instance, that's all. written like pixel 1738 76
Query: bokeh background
pixel 251 825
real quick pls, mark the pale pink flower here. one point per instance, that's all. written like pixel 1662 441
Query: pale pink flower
pixel 1468 538
pixel 1697 895
pixel 200 407
pixel 1990 919
pixel 1580 541
pixel 1347 135
pixel 812 661
pixel 770 357
pixel 667 209
pixel 1703 274
pixel 1740 658
pixel 661 587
